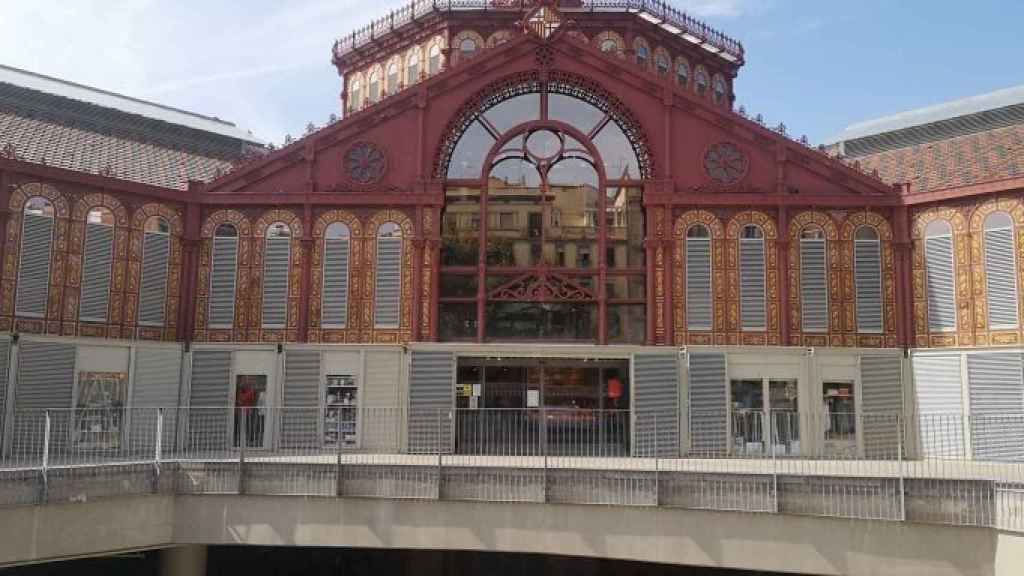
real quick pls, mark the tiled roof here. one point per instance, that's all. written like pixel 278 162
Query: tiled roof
pixel 986 156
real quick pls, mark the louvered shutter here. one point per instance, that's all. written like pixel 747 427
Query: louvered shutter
pixel 34 265
pixel 46 380
pixel 153 290
pixel 656 405
pixel 1001 278
pixel 335 291
pixel 301 411
pixel 708 403
pixel 939 283
pixel 752 305
pixel 388 290
pixel 867 271
pixel 997 405
pixel 882 405
pixel 96 264
pixel 156 383
pixel 699 311
pixel 813 286
pixel 223 277
pixel 275 282
pixel 5 360
pixel 431 389
pixel 939 394
pixel 209 400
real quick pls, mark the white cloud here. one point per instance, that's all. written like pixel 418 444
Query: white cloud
pixel 715 8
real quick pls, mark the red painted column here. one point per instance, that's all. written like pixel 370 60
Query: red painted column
pixel 417 276
pixel 307 272
pixel 782 257
pixel 190 268
pixel 903 277
pixel 5 212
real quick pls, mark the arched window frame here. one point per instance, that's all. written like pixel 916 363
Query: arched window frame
pixel 700 299
pixel 355 95
pixel 393 76
pixel 940 276
pixel 814 289
pixel 751 238
pixel 225 241
pixel 155 266
pixel 719 89
pixel 701 81
pixel 642 52
pixel 374 84
pixel 413 65
pixel 388 280
pixel 435 57
pixel 38 232
pixel 868 293
pixel 1001 271
pixel 610 42
pixel 336 291
pixel 662 61
pixel 275 278
pixel 682 72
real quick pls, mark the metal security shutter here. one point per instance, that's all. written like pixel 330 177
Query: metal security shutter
pixel 882 405
pixel 5 363
pixel 656 405
pixel 209 400
pixel 867 276
pixel 752 307
pixel 301 410
pixel 939 282
pixel 431 389
pixel 1001 278
pixel 335 292
pixel 699 311
pixel 96 264
pixel 34 265
pixel 153 291
pixel 813 286
pixel 46 379
pixel 222 282
pixel 939 394
pixel 156 383
pixel 708 403
pixel 388 291
pixel 275 282
pixel 997 405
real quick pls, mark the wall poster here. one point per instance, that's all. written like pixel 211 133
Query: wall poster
pixel 99 409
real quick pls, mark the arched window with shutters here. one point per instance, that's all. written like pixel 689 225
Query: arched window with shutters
pixel 682 72
pixel 337 253
pixel 699 298
pixel 388 282
pixel 97 261
pixel 700 81
pixel 1000 272
pixel 718 89
pixel 813 280
pixel 867 278
pixel 412 67
pixel 223 277
pixel 276 262
pixel 156 250
pixel 434 58
pixel 940 276
pixel 391 81
pixel 355 94
pixel 373 86
pixel 37 228
pixel 752 279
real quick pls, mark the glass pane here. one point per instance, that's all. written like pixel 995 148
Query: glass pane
pixel 537 321
pixel 458 286
pixel 514 111
pixel 627 323
pixel 574 112
pixel 620 160
pixel 571 233
pixel 623 287
pixel 840 418
pixel 460 227
pixel 514 214
pixel 468 157
pixel 250 409
pixel 458 321
pixel 624 214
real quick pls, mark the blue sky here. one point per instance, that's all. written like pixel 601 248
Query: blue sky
pixel 265 64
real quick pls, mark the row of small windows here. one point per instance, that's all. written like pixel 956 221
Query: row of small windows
pixel 336 276
pixel 365 88
pixel 32 291
pixel 1000 266
pixel 699 289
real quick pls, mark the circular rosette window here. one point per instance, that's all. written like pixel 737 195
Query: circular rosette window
pixel 365 163
pixel 725 163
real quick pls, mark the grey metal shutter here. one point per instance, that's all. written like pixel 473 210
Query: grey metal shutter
pixel 431 390
pixel 997 405
pixel 34 265
pixel 275 282
pixel 335 290
pixel 223 276
pixel 388 291
pixel 752 305
pixel 882 405
pixel 813 286
pixel 867 274
pixel 939 281
pixel 699 311
pixel 656 405
pixel 156 383
pixel 156 250
pixel 96 268
pixel 939 394
pixel 708 395
pixel 1001 278
pixel 301 396
pixel 46 380
pixel 209 400
pixel 5 363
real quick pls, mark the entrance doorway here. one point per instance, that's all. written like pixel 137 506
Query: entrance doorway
pixel 535 406
pixel 250 417
pixel 764 416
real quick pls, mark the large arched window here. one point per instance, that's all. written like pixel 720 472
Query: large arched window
pixel 223 277
pixel 434 58
pixel 97 261
pixel 412 67
pixel 391 80
pixel 373 86
pixel 337 250
pixel 37 227
pixel 387 304
pixel 940 276
pixel 355 94
pixel 867 275
pixel 276 262
pixel 156 250
pixel 468 48
pixel 543 226
pixel 813 280
pixel 752 279
pixel 1000 272
pixel 699 299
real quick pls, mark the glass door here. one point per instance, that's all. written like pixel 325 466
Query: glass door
pixel 784 417
pixel 250 410
pixel 747 427
pixel 764 417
